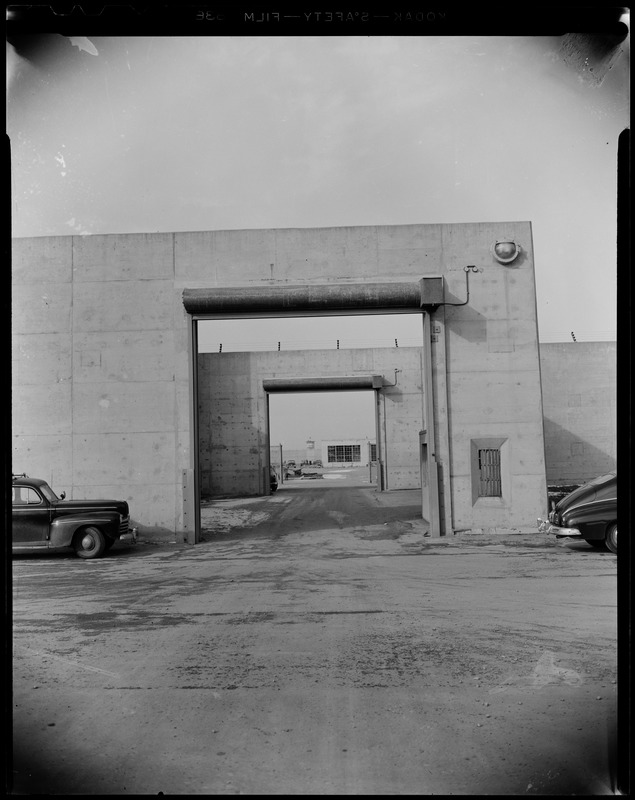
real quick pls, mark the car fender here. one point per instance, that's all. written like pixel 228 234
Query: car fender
pixel 591 518
pixel 64 528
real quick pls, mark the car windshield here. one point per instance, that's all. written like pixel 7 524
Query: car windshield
pixel 48 493
pixel 602 479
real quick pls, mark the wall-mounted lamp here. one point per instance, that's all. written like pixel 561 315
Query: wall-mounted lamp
pixel 505 250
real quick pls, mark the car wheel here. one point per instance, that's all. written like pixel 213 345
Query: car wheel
pixel 611 538
pixel 89 543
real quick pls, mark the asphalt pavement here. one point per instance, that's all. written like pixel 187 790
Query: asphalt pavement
pixel 317 641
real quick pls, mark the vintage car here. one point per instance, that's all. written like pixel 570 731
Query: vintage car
pixel 291 469
pixel 273 479
pixel 589 512
pixel 44 521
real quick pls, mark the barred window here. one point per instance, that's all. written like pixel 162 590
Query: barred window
pixel 373 452
pixel 489 468
pixel 343 452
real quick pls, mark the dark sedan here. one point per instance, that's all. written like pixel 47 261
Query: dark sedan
pixel 44 521
pixel 589 512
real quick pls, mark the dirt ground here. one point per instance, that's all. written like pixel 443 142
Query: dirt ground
pixel 317 642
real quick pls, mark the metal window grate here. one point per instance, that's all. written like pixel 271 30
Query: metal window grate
pixel 373 452
pixel 489 468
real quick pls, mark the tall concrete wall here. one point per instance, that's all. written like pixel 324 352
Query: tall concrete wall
pixel 233 411
pixel 101 369
pixel 579 381
pixel 493 385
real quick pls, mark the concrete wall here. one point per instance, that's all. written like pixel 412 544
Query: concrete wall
pixel 233 411
pixel 100 370
pixel 100 346
pixel 579 382
pixel 493 387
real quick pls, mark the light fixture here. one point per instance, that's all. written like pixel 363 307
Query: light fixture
pixel 505 250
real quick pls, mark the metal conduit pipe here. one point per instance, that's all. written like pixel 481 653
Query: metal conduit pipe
pixel 322 298
pixel 322 384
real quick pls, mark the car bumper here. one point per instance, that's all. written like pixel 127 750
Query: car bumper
pixel 130 537
pixel 544 526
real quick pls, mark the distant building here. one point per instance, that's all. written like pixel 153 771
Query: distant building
pixel 347 452
pixel 331 453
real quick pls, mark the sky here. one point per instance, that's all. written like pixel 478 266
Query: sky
pixel 144 134
pixel 117 134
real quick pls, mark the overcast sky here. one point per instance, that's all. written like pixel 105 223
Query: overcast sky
pixel 145 134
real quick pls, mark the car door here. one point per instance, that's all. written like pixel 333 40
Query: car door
pixel 31 517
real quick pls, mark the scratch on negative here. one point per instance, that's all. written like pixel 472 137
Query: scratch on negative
pixel 67 661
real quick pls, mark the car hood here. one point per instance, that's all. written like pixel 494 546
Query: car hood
pixel 602 488
pixel 72 506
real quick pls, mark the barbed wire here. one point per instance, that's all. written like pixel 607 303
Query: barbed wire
pixel 237 346
pixel 577 335
pixel 230 346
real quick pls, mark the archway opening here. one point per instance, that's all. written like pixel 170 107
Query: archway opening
pixel 314 343
pixel 327 436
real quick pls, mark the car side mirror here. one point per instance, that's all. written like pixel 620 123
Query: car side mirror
pixel 62 495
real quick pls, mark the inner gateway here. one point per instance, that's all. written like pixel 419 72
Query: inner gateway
pixel 327 429
pixel 369 362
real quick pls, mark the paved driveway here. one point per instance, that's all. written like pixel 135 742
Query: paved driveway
pixel 317 642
